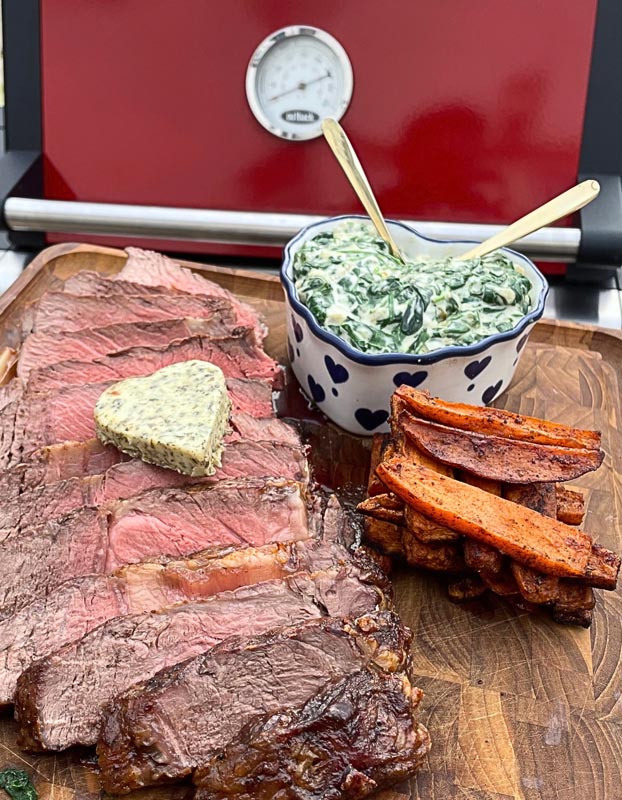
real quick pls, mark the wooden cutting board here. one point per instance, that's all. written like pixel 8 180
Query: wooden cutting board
pixel 517 706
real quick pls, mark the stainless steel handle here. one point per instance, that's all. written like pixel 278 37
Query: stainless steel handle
pixel 240 227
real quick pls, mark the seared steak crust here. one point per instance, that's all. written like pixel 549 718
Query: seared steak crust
pixel 164 729
pixel 356 737
pixel 59 700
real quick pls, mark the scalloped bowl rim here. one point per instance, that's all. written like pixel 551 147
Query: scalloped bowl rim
pixel 407 358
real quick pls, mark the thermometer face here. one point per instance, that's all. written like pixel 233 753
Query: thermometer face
pixel 296 78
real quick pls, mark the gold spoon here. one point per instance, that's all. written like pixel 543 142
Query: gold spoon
pixel 344 152
pixel 560 206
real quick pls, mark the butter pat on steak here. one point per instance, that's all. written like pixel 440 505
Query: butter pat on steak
pixel 176 418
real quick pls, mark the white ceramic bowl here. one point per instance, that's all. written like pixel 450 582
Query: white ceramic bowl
pixel 353 388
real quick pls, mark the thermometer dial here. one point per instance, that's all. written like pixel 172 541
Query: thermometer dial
pixel 297 77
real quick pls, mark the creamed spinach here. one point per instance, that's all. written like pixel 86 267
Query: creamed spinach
pixel 357 290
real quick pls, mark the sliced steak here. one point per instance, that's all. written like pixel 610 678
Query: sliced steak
pixel 59 700
pixel 10 392
pixel 180 719
pixel 42 349
pixel 80 605
pixel 237 355
pixel 356 737
pixel 154 269
pixel 55 311
pixel 22 509
pixel 58 462
pixel 183 521
pixel 43 419
pixel 176 522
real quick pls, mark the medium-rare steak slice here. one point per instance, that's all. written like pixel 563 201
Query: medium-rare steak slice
pixel 356 737
pixel 179 720
pixel 176 522
pixel 237 356
pixel 43 419
pixel 153 269
pixel 182 521
pixel 56 311
pixel 79 605
pixel 42 349
pixel 58 462
pixel 59 700
pixel 22 508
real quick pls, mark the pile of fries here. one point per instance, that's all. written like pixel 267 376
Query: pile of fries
pixel 475 492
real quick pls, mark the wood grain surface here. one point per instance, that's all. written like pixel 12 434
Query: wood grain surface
pixel 518 707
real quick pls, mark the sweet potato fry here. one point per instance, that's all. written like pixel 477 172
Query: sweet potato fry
pixel 481 557
pixel 386 536
pixel 385 507
pixel 526 536
pixel 603 568
pixel 502 582
pixel 582 617
pixel 496 458
pixel 540 497
pixel 535 587
pixel 466 588
pixel 485 484
pixel 379 445
pixel 574 596
pixel 570 505
pixel 426 530
pixel 405 445
pixel 495 421
pixel 440 557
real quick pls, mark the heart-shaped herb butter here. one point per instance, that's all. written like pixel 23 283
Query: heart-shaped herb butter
pixel 176 418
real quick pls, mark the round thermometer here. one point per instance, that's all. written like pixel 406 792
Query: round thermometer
pixel 297 77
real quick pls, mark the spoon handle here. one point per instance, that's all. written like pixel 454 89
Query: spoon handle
pixel 345 155
pixel 560 206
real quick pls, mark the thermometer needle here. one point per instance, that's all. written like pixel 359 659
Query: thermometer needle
pixel 301 86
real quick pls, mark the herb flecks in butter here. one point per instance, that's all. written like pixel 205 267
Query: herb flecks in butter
pixel 176 418
pixel 358 291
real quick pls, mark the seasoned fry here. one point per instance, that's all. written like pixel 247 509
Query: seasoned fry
pixel 570 505
pixel 425 529
pixel 502 582
pixel 497 458
pixel 385 507
pixel 466 588
pixel 603 568
pixel 485 484
pixel 385 535
pixel 542 543
pixel 495 421
pixel 379 444
pixel 534 586
pixel 540 497
pixel 481 557
pixel 441 557
pixel 406 447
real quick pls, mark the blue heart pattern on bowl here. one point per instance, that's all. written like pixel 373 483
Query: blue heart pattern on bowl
pixel 491 392
pixel 370 420
pixel 475 368
pixel 412 379
pixel 337 372
pixel 297 330
pixel 317 392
